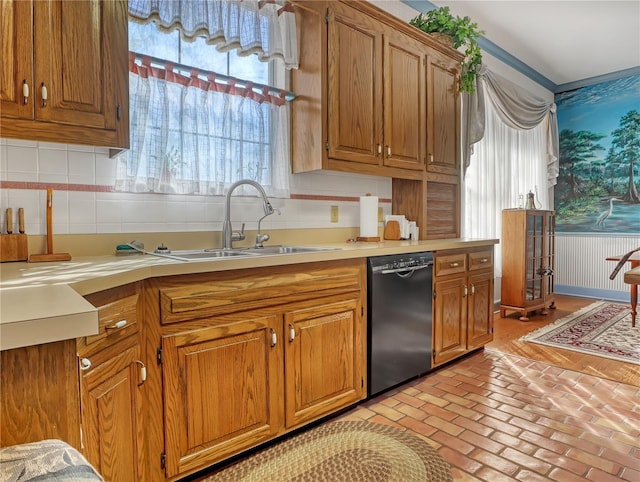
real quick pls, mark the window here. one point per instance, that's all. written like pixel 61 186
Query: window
pixel 202 115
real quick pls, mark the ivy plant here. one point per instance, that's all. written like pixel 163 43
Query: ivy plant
pixel 463 32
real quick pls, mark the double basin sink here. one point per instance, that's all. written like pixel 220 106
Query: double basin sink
pixel 211 254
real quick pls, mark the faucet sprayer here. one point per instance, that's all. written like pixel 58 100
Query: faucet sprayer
pixel 228 236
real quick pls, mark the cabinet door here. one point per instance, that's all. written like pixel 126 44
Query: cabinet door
pixel 76 64
pixel 404 102
pixel 355 86
pixel 222 390
pixel 444 117
pixel 480 310
pixel 112 412
pixel 324 360
pixel 535 257
pixel 16 51
pixel 450 319
pixel 549 255
pixel 76 52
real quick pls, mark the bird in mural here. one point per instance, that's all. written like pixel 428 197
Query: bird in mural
pixel 605 214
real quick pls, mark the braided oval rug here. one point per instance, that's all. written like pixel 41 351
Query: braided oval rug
pixel 342 451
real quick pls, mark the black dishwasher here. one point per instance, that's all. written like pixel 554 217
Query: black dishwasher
pixel 399 330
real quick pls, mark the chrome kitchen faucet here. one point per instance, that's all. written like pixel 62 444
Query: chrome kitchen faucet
pixel 228 235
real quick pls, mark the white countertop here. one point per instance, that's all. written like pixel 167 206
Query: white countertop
pixel 42 302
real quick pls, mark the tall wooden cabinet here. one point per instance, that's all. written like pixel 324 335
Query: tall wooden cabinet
pixel 528 251
pixel 65 71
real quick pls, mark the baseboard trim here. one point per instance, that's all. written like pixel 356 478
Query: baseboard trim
pixel 600 294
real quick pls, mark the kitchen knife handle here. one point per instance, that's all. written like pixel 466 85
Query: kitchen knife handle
pixel 9 214
pixel 49 221
pixel 21 220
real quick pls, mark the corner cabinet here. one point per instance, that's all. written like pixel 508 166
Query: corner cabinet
pixel 248 355
pixel 463 302
pixel 63 84
pixel 528 260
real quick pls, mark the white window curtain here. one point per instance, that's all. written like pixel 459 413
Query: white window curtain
pixel 190 136
pixel 516 108
pixel 190 133
pixel 266 27
pixel 505 164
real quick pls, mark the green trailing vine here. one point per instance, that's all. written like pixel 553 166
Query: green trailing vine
pixel 463 32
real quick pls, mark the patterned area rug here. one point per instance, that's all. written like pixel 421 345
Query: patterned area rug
pixel 343 452
pixel 602 329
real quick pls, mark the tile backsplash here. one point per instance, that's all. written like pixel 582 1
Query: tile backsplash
pixel 80 173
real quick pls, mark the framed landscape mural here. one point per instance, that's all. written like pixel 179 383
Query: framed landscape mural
pixel 599 182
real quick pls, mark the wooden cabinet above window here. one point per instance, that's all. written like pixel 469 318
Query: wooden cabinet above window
pixel 65 72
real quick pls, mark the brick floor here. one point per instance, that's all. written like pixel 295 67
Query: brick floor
pixel 497 417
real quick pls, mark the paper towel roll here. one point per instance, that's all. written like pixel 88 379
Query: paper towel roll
pixel 368 216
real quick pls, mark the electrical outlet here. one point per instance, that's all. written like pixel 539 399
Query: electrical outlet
pixel 334 214
pixel 380 215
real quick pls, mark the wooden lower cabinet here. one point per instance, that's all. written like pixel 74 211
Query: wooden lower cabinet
pixel 111 414
pixel 463 302
pixel 249 377
pixel 323 360
pixel 112 387
pixel 247 356
pixel 222 386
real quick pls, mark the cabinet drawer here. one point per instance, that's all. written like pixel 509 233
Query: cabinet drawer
pixel 450 264
pixel 481 260
pixel 115 320
pixel 225 295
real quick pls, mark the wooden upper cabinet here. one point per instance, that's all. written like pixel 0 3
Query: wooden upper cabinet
pixel 443 116
pixel 16 66
pixel 376 95
pixel 404 102
pixel 73 58
pixel 355 86
pixel 361 92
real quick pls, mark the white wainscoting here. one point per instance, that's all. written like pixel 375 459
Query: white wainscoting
pixel 581 267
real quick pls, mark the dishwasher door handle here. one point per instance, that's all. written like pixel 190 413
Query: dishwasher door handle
pixel 406 270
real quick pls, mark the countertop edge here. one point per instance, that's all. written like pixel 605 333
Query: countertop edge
pixel 82 276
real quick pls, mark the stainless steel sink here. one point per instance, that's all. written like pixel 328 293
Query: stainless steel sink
pixel 211 254
pixel 204 254
pixel 290 249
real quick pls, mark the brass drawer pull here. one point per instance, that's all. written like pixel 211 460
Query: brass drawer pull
pixel 484 260
pixel 454 265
